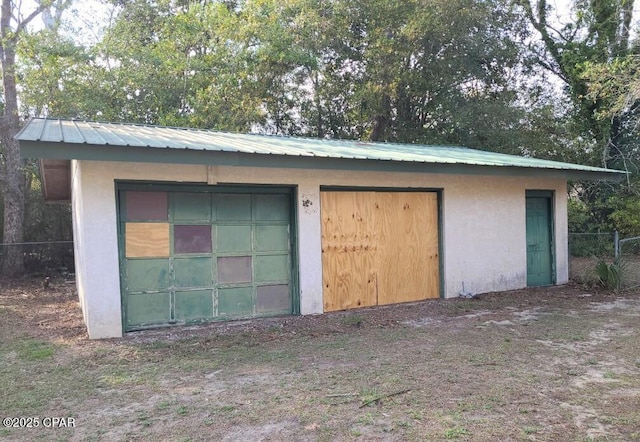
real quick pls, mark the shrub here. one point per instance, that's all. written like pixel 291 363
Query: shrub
pixel 609 274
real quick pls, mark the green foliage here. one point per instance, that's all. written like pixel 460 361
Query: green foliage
pixel 582 245
pixel 580 219
pixel 610 274
pixel 56 76
pixel 43 221
pixel 595 55
pixel 409 72
pixel 587 236
pixel 625 215
pixel 614 82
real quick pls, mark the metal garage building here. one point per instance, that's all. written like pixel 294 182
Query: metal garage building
pixel 176 226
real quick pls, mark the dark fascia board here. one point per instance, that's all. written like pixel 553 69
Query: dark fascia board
pixel 39 149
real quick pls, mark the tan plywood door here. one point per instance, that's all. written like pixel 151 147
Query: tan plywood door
pixel 407 243
pixel 348 250
pixel 379 248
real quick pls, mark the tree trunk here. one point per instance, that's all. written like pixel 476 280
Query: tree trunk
pixel 13 170
pixel 381 120
pixel 13 258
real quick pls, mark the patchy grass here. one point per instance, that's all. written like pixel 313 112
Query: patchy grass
pixel 546 364
pixel 34 350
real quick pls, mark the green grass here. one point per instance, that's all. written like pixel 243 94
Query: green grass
pixel 366 419
pixel 164 405
pixel 227 408
pixel 455 433
pixel 35 350
pixel 531 430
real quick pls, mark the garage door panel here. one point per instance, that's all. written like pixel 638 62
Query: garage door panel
pixel 273 298
pixel 408 242
pixel 146 206
pixel 233 239
pixel 233 207
pixel 193 305
pixel 147 240
pixel 379 248
pixel 386 220
pixel 192 239
pixel 272 208
pixel 193 272
pixel 148 309
pixel 272 238
pixel 347 219
pixel 349 241
pixel 234 302
pixel 234 269
pixel 191 207
pixel 271 268
pixel 147 274
pixel 429 248
pixel 345 289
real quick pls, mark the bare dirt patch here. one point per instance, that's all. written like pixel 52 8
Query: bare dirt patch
pixel 558 363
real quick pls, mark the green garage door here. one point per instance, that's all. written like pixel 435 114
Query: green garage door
pixel 209 254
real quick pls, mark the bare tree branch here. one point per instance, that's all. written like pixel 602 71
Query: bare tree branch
pixel 22 24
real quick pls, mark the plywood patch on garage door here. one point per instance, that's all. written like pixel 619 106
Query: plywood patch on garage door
pixel 348 250
pixel 145 240
pixel 408 265
pixel 379 248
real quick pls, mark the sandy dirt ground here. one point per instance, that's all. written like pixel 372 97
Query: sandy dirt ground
pixel 557 363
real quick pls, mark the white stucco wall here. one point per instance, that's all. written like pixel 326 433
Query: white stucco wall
pixel 78 234
pixel 484 241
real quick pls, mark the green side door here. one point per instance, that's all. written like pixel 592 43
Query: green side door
pixel 539 241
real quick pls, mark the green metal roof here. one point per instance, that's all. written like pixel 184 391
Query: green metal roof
pixel 71 139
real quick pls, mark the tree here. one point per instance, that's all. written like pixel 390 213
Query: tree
pixel 54 72
pixel 615 86
pixel 11 172
pixel 13 26
pixel 594 54
pixel 599 34
pixel 413 71
pixel 428 71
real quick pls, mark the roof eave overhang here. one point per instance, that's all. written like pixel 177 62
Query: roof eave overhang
pixel 56 180
pixel 68 151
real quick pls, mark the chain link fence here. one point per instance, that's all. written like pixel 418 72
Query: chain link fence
pixel 43 258
pixel 629 258
pixel 586 250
